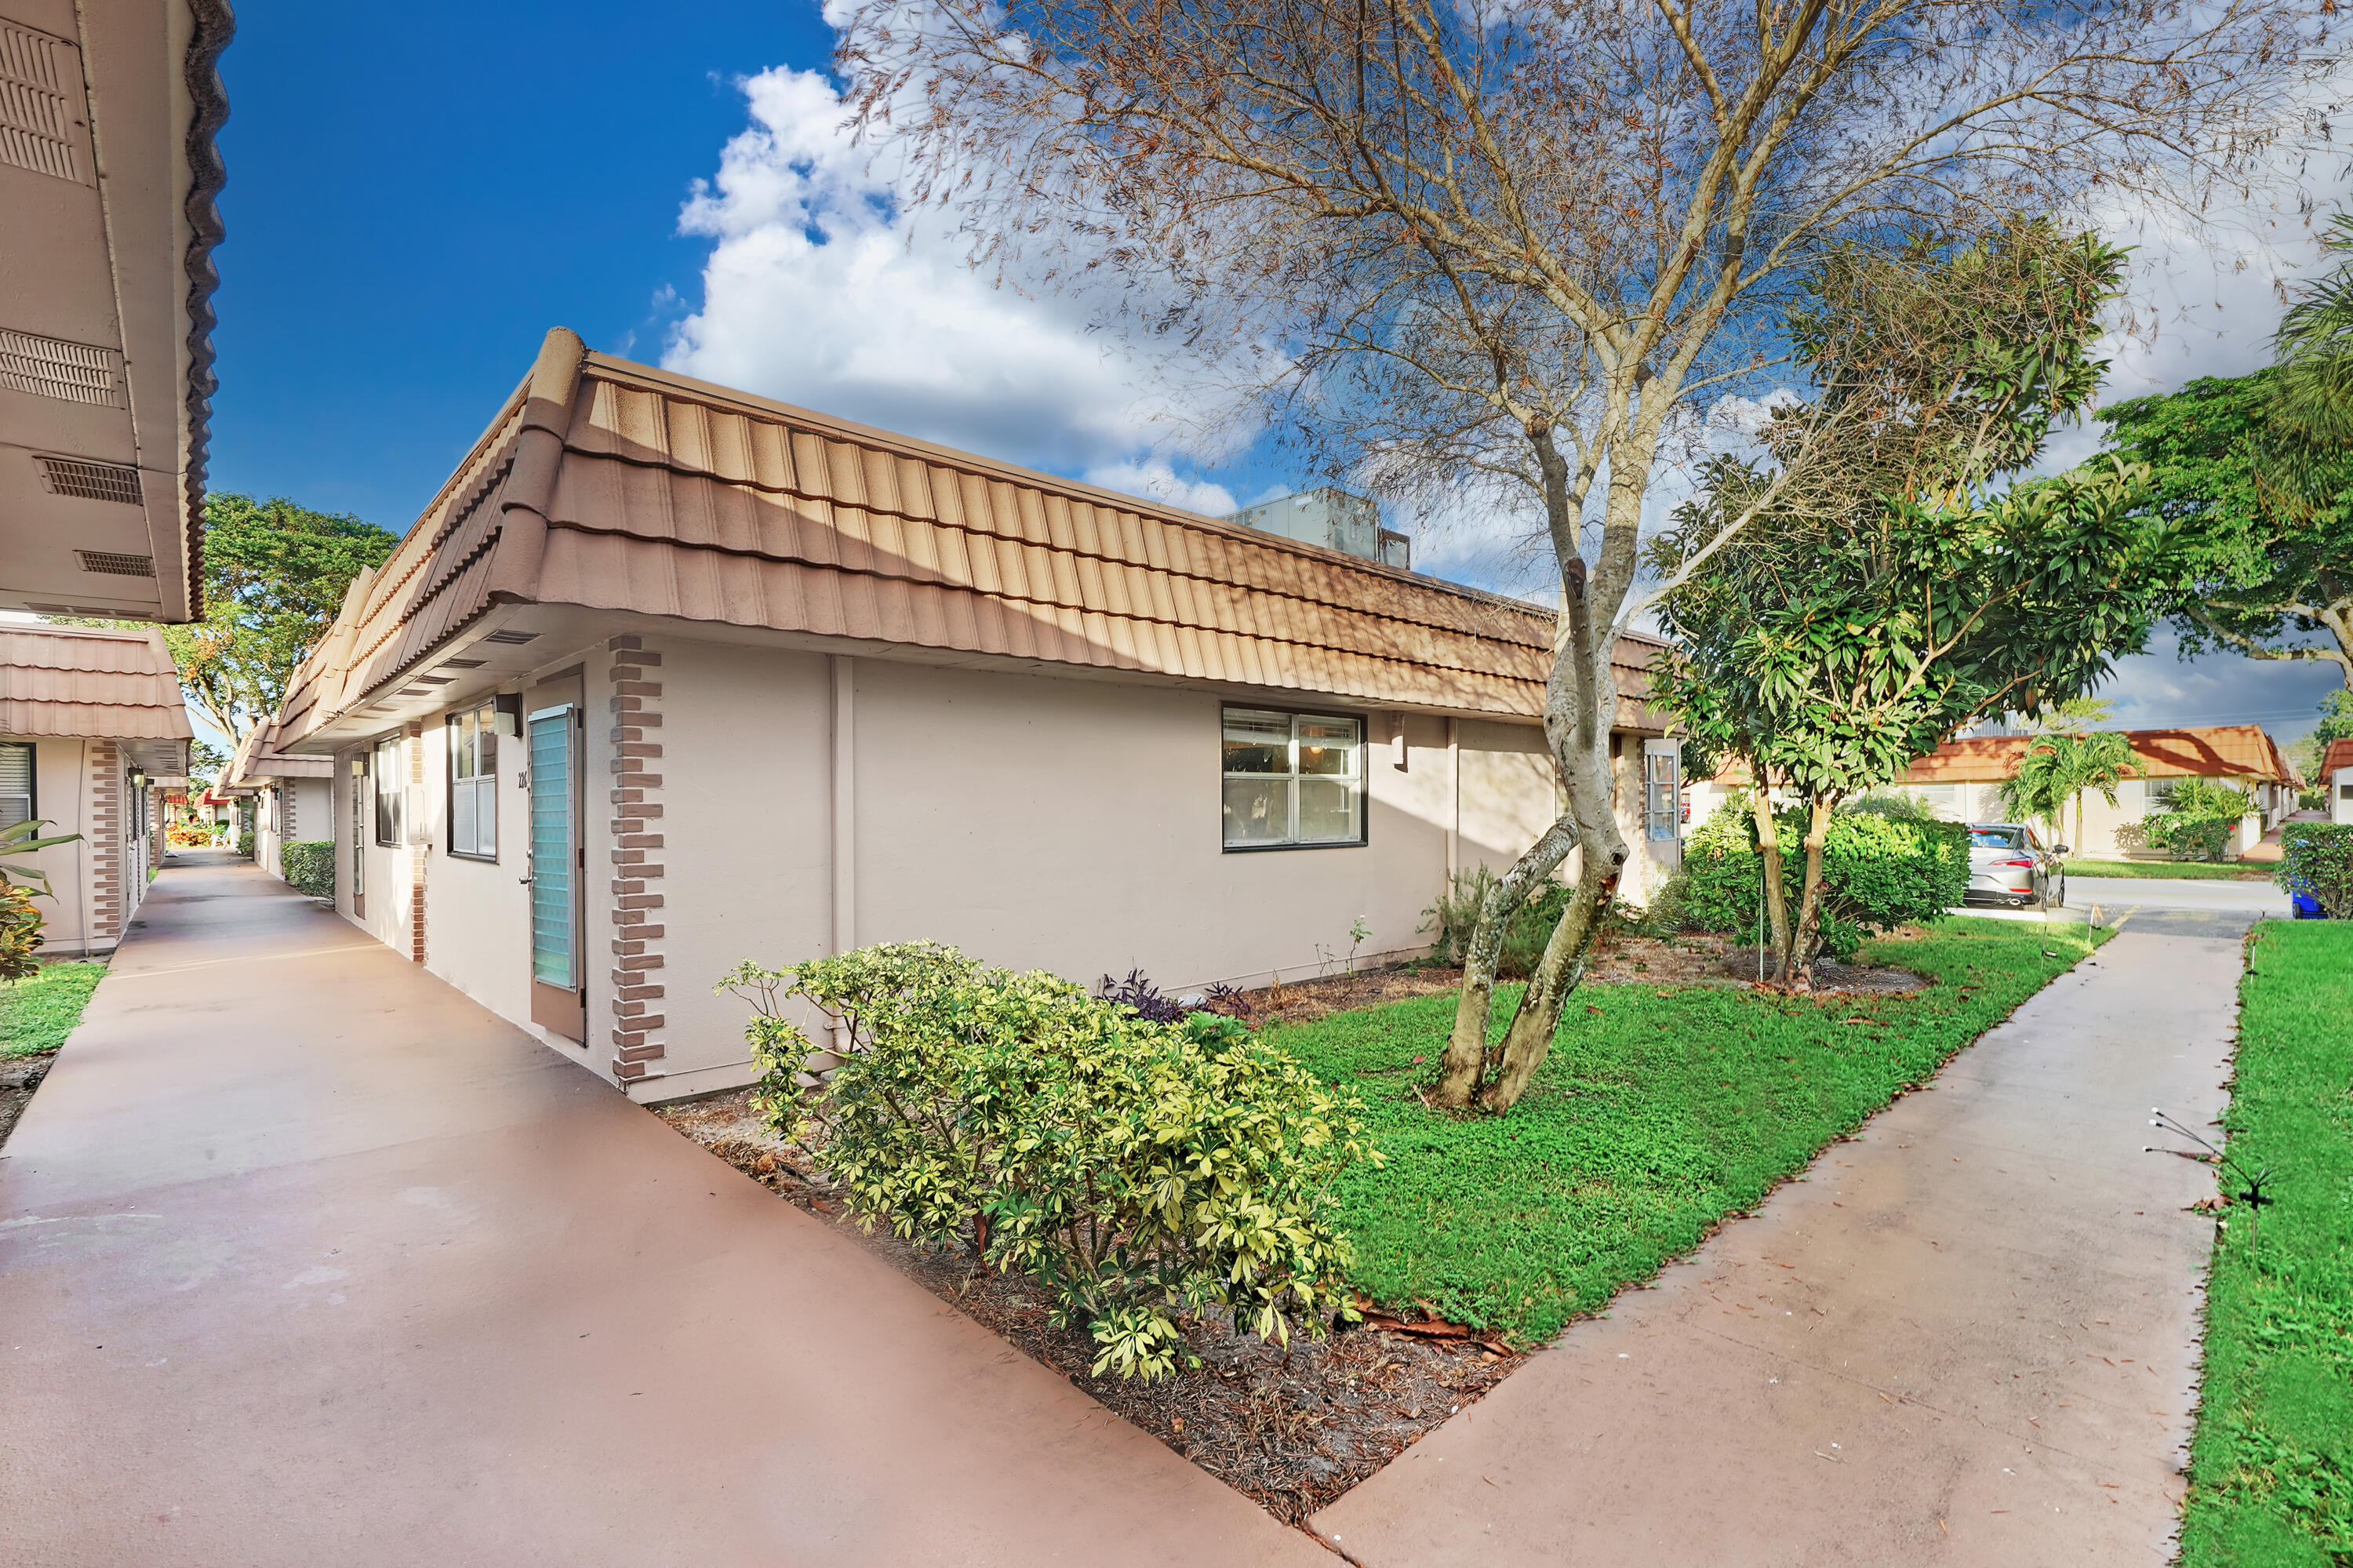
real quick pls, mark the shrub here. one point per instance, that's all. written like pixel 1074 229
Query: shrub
pixel 1135 1170
pixel 2316 861
pixel 245 844
pixel 1896 808
pixel 2195 822
pixel 21 936
pixel 1879 871
pixel 1456 914
pixel 310 866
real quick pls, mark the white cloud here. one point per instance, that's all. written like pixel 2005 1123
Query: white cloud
pixel 823 289
pixel 1157 479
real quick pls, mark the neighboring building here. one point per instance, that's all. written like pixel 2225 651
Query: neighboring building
pixel 1333 519
pixel 108 172
pixel 668 676
pixel 293 797
pixel 2337 778
pixel 90 721
pixel 1961 781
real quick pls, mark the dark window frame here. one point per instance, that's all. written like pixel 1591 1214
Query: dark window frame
pixel 1362 780
pixel 32 776
pixel 397 798
pixel 484 785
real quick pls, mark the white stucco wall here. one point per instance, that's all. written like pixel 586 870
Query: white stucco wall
pixel 2340 797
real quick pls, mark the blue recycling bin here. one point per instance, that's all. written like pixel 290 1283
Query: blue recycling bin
pixel 2307 907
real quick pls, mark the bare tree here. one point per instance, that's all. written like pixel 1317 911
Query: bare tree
pixel 1512 243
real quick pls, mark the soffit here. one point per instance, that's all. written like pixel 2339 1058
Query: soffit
pixel 106 282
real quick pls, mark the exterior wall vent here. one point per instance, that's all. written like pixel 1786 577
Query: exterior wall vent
pixel 93 480
pixel 52 367
pixel 37 76
pixel 95 611
pixel 513 638
pixel 115 565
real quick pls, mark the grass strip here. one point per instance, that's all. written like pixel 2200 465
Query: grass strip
pixel 1660 1110
pixel 2170 870
pixel 36 1014
pixel 2270 1472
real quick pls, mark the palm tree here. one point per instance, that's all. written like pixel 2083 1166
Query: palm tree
pixel 2057 770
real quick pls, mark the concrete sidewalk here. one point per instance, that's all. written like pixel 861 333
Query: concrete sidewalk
pixel 1968 1339
pixel 305 1259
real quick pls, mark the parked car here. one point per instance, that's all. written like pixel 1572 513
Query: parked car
pixel 2010 863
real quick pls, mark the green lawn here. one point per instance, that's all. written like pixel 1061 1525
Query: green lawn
pixel 2271 1475
pixel 38 1014
pixel 1659 1111
pixel 2192 870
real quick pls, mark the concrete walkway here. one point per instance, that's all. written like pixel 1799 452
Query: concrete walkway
pixel 306 1259
pixel 1968 1339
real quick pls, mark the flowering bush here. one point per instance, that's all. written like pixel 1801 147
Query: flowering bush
pixel 1137 1169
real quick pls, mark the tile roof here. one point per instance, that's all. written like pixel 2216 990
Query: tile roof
pixel 611 485
pixel 2237 750
pixel 2338 755
pixel 90 682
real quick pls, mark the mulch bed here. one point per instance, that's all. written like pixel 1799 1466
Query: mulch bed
pixel 1291 1429
pixel 18 1078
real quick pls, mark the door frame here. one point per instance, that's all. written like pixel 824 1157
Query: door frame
pixel 556 1008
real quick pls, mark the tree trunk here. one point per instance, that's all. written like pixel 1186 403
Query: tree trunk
pixel 1466 1051
pixel 1777 893
pixel 1592 802
pixel 1807 938
pixel 1529 1039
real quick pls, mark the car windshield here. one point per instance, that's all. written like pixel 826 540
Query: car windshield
pixel 1996 838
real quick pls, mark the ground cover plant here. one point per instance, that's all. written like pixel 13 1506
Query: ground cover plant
pixel 1665 1110
pixel 36 1014
pixel 2271 1473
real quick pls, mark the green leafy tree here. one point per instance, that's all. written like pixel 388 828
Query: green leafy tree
pixel 2336 724
pixel 2058 770
pixel 2252 476
pixel 1872 619
pixel 275 574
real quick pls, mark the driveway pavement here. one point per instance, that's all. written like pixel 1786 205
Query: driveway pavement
pixel 1966 1338
pixel 305 1258
pixel 2183 906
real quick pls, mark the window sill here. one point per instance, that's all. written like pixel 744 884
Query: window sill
pixel 1273 849
pixel 477 859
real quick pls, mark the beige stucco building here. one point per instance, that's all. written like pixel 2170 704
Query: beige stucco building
pixel 2337 779
pixel 90 719
pixel 1961 781
pixel 668 677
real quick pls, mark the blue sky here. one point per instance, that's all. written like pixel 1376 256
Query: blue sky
pixel 412 204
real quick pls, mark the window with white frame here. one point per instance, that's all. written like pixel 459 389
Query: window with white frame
pixel 389 777
pixel 474 783
pixel 1293 781
pixel 16 800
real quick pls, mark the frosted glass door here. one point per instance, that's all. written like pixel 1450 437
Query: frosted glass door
pixel 554 852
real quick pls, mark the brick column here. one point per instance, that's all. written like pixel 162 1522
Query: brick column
pixel 418 853
pixel 104 834
pixel 636 839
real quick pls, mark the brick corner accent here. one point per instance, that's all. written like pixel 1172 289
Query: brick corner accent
pixel 104 832
pixel 636 901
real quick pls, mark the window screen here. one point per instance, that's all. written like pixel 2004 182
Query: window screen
pixel 473 783
pixel 16 782
pixel 1293 780
pixel 387 771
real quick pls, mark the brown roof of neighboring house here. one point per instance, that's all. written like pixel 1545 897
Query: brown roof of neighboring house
pixel 2236 751
pixel 90 682
pixel 2338 755
pixel 615 486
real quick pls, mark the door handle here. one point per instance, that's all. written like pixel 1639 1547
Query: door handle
pixel 525 880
